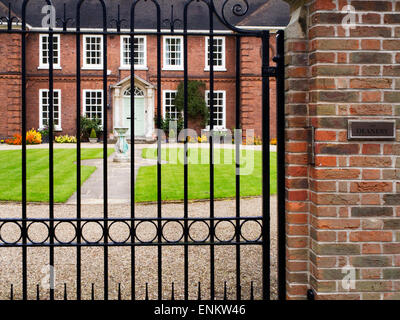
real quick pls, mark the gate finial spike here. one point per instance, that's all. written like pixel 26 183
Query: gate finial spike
pixel 173 292
pixel 12 292
pixel 92 291
pixel 252 291
pixel 37 292
pixel 65 292
pixel 119 291
pixel 147 291
pixel 225 292
pixel 199 292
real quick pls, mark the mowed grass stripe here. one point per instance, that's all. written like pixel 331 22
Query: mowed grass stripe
pixel 199 182
pixel 38 173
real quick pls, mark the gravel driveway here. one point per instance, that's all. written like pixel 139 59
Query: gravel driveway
pixel 146 257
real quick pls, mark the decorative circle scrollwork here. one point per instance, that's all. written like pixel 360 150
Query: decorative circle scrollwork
pixel 191 228
pixel 242 231
pixel 94 223
pixel 142 224
pixel 37 224
pixel 15 238
pixel 180 234
pixel 59 227
pixel 221 224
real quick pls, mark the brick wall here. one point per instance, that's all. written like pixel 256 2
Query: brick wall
pixel 10 83
pixel 351 194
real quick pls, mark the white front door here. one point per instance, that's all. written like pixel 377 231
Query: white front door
pixel 139 116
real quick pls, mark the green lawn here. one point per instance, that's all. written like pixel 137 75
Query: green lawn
pixel 172 176
pixel 38 173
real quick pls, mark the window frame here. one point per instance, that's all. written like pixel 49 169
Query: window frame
pixel 216 68
pixel 93 66
pixel 84 91
pixel 47 65
pixel 172 67
pixel 124 66
pixel 165 98
pixel 223 127
pixel 41 126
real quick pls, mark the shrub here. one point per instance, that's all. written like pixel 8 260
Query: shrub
pixel 197 107
pixel 32 137
pixel 165 126
pixel 15 140
pixel 93 134
pixel 253 141
pixel 66 139
pixel 87 125
pixel 202 139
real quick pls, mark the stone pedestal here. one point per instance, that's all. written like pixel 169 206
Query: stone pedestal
pixel 121 147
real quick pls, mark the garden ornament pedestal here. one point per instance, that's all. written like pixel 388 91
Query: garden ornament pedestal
pixel 121 147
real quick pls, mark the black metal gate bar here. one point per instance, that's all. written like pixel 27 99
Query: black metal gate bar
pixel 280 129
pixel 105 153
pixel 51 161
pixel 237 163
pixel 159 151
pixel 265 166
pixel 78 156
pixel 185 150
pixel 133 184
pixel 211 103
pixel 24 232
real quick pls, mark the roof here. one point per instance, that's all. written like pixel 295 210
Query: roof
pixel 261 13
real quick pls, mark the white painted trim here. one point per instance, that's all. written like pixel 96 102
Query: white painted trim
pixel 168 67
pixel 223 127
pixel 165 98
pixel 137 66
pixel 216 68
pixel 84 91
pixel 41 127
pixel 58 29
pixel 46 66
pixel 92 66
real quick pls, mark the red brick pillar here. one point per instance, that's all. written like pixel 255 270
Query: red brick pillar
pixel 297 204
pixel 343 208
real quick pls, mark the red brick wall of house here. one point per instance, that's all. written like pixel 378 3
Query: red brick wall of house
pixel 65 79
pixel 10 84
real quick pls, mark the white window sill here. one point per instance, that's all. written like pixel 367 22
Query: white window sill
pixel 216 69
pixel 58 129
pixel 172 69
pixel 136 68
pixel 216 129
pixel 47 68
pixel 92 67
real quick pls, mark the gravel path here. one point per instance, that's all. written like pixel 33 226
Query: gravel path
pixel 146 257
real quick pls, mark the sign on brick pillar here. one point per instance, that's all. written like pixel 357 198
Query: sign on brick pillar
pixel 354 196
pixel 297 205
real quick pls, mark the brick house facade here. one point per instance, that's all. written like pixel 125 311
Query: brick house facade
pixel 119 74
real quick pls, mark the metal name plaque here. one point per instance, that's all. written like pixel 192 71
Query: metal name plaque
pixel 372 130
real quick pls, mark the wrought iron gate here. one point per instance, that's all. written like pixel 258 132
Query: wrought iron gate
pixel 132 221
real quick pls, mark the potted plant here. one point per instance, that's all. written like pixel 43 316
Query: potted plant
pixel 93 136
pixel 86 128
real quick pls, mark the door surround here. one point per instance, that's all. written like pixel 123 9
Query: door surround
pixel 119 94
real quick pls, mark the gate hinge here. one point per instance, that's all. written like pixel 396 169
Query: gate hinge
pixel 269 72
